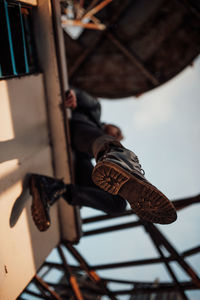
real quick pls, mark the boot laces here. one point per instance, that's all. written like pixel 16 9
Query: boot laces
pixel 136 160
pixel 52 189
pixel 59 193
pixel 133 157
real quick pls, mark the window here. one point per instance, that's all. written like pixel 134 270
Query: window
pixel 17 51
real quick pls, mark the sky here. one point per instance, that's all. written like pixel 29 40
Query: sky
pixel 163 128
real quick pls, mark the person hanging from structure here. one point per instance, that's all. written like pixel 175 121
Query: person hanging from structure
pixel 116 178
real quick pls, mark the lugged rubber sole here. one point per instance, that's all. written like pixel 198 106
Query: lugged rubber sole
pixel 145 199
pixel 38 212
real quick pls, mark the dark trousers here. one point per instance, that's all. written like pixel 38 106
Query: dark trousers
pixel 85 192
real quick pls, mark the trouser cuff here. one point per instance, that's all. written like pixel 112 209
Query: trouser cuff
pixel 104 144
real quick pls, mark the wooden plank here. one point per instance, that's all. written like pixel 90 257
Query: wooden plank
pixel 79 23
pixel 133 59
pixel 96 9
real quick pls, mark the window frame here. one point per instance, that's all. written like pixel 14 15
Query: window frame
pixel 26 60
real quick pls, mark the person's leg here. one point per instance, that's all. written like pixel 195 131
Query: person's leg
pixel 94 197
pixel 119 172
pixel 83 136
pixel 83 168
pixel 46 191
pixel 86 193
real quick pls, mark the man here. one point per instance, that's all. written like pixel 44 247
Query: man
pixel 117 175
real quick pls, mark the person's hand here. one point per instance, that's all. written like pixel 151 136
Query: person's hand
pixel 113 131
pixel 70 99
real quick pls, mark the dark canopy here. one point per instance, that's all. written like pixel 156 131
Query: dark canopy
pixel 146 43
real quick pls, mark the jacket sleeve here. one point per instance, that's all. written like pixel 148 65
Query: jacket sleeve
pixel 88 105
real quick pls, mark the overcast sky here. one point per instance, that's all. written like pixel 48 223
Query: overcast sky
pixel 163 128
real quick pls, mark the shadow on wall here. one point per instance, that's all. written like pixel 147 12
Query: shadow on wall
pixel 24 148
pixel 24 124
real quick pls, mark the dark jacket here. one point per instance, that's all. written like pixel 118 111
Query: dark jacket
pixel 88 109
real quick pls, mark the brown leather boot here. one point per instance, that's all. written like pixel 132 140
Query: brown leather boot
pixel 45 192
pixel 119 172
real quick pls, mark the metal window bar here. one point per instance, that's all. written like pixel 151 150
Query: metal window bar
pixel 10 38
pixel 32 57
pixel 24 41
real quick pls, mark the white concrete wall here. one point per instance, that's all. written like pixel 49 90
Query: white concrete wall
pixel 24 148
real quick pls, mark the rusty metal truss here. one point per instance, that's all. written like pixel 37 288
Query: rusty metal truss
pixel 81 280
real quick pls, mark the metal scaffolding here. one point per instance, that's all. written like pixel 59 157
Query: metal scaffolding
pixel 81 281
